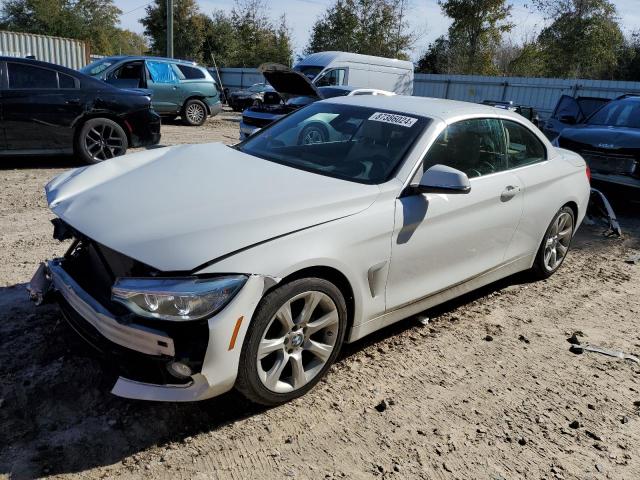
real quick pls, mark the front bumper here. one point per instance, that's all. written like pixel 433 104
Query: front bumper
pixel 141 354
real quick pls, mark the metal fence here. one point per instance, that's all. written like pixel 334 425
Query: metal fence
pixel 239 78
pixel 63 51
pixel 540 93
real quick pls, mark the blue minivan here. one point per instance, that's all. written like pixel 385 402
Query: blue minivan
pixel 180 88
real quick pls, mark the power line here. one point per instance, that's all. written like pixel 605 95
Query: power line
pixel 137 8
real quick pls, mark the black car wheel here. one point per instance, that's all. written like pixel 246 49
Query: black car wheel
pixel 194 113
pixel 101 139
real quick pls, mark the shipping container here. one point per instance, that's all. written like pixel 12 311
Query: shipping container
pixel 62 51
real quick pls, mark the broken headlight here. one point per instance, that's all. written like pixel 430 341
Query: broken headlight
pixel 176 299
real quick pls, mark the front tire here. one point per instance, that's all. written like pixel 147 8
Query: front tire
pixel 100 139
pixel 194 113
pixel 555 244
pixel 294 337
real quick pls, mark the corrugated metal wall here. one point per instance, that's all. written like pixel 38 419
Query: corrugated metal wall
pixel 238 78
pixel 540 93
pixel 62 51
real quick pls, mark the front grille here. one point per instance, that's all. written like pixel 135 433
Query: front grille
pixel 610 163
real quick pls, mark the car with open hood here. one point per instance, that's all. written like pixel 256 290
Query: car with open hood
pixel 294 90
pixel 609 140
pixel 571 111
pixel 199 268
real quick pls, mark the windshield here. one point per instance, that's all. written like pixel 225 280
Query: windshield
pixel 308 71
pixel 618 113
pixel 354 143
pixel 97 67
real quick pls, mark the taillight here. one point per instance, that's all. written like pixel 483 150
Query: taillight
pixel 588 172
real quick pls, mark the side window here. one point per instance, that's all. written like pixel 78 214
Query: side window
pixel 28 76
pixel 523 146
pixel 133 71
pixel 161 72
pixel 332 77
pixel 190 73
pixel 474 146
pixel 66 81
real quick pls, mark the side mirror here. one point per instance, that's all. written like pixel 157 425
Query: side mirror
pixel 570 119
pixel 443 179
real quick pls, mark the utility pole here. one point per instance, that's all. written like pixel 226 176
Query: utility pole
pixel 170 28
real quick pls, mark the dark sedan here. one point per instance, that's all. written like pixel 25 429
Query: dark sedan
pixel 609 141
pixel 49 109
pixel 252 96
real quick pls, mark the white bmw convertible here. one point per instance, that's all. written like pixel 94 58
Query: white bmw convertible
pixel 199 268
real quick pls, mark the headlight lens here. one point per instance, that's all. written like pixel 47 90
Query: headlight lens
pixel 176 299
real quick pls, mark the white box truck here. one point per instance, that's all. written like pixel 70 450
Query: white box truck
pixel 356 70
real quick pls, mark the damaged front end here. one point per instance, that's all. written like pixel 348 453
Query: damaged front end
pixel 156 355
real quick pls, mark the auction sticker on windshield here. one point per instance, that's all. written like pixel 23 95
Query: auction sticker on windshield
pixel 394 119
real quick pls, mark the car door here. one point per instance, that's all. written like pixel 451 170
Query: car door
pixel 527 158
pixel 40 107
pixel 165 84
pixel 440 240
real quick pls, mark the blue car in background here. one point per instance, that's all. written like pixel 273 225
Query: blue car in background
pixel 179 87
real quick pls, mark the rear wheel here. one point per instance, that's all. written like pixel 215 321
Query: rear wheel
pixel 555 244
pixel 100 139
pixel 194 113
pixel 294 338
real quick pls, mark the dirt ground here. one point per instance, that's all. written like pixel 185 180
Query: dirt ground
pixel 488 389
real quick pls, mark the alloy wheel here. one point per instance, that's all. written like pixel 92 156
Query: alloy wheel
pixel 195 113
pixel 558 240
pixel 297 342
pixel 103 142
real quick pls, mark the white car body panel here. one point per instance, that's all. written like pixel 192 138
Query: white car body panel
pixel 212 206
pixel 211 209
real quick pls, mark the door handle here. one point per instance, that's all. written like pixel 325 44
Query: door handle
pixel 72 101
pixel 509 192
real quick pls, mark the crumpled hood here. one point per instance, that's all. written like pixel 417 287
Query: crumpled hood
pixel 176 208
pixel 602 136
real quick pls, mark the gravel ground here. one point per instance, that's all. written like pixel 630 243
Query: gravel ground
pixel 487 389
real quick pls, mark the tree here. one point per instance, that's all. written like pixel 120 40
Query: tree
pixel 436 58
pixel 583 40
pixel 475 33
pixel 372 27
pixel 247 37
pixel 188 28
pixel 94 21
pixel 629 59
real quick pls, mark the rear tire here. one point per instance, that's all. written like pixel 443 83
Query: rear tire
pixel 194 113
pixel 100 139
pixel 294 337
pixel 555 244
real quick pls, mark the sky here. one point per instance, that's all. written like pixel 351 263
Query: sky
pixel 426 18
